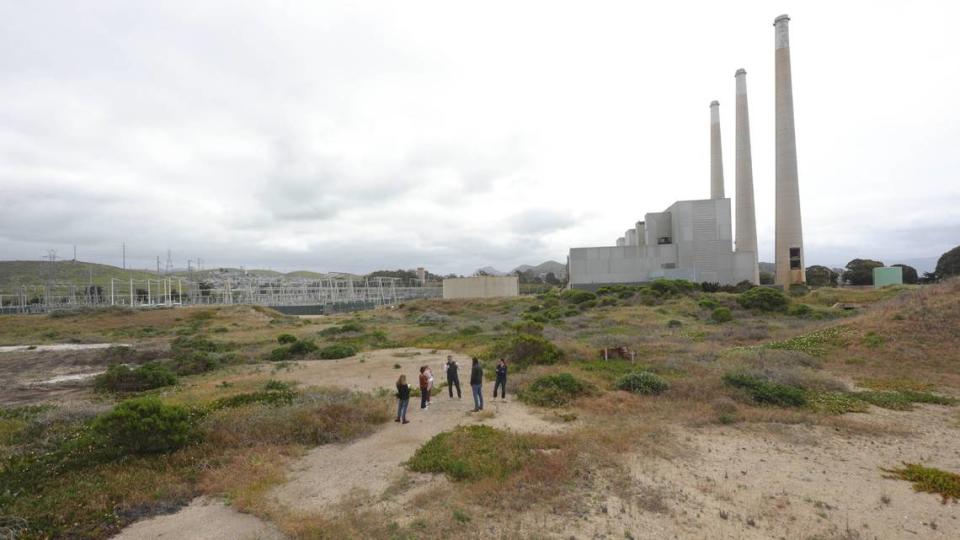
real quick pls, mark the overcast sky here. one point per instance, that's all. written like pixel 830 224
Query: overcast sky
pixel 354 136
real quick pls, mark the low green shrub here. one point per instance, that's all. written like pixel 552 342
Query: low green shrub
pixel 673 323
pixel 721 315
pixel 338 350
pixel 929 480
pixel 293 350
pixel 873 340
pixel 525 350
pixel 800 310
pixel 121 378
pixel 528 327
pixel 198 343
pixel 345 328
pixel 470 453
pixel 763 299
pixel 555 390
pixel 275 397
pixel 285 339
pixel 763 391
pixel 708 303
pixel 642 382
pixel 144 426
pixel 576 296
pixel 902 400
pixel 672 287
pixel 835 402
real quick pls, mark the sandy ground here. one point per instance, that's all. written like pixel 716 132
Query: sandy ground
pixel 369 467
pixel 788 481
pixel 49 372
pixel 203 519
pixel 740 481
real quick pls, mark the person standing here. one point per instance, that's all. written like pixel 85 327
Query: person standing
pixel 476 383
pixel 501 380
pixel 424 388
pixel 453 376
pixel 429 385
pixel 403 399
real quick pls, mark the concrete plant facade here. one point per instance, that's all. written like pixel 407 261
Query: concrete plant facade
pixel 689 240
pixel 789 256
pixel 481 287
pixel 692 239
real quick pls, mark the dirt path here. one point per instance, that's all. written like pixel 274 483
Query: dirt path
pixel 369 466
pixel 203 519
pixel 330 474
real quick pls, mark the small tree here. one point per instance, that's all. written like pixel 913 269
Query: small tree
pixel 766 278
pixel 910 276
pixel 821 276
pixel 860 271
pixel 949 264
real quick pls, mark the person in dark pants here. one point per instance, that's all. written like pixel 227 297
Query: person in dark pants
pixel 403 399
pixel 476 382
pixel 453 376
pixel 424 388
pixel 501 380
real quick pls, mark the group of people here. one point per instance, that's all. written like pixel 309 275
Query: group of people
pixel 426 381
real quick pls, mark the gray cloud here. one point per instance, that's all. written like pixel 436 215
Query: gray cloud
pixel 354 136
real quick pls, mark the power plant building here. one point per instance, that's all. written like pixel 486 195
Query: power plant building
pixel 693 240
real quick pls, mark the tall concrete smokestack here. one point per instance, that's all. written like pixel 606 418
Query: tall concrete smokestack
pixel 716 154
pixel 789 229
pixel 746 212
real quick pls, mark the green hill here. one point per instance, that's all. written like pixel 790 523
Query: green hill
pixel 16 273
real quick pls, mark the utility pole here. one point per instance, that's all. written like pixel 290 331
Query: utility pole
pixel 158 265
pixel 74 253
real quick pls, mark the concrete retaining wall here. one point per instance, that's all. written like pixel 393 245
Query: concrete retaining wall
pixel 481 287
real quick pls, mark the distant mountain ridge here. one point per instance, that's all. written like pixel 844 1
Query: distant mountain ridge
pixel 558 269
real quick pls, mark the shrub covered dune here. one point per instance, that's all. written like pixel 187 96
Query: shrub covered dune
pixel 206 416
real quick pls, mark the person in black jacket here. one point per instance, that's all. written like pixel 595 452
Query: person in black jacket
pixel 476 382
pixel 501 380
pixel 403 399
pixel 453 376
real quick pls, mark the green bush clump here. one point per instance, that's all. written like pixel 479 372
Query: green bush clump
pixel 708 303
pixel 642 382
pixel 673 323
pixel 144 426
pixel 669 287
pixel 469 453
pixel 269 396
pixel 198 343
pixel 532 328
pixel 345 328
pixel 338 350
pixel 608 301
pixel 763 391
pixel 800 310
pixel 576 296
pixel 293 350
pixel 555 390
pixel 930 480
pixel 763 299
pixel 526 349
pixel 902 400
pixel 721 315
pixel 120 378
pixel 285 339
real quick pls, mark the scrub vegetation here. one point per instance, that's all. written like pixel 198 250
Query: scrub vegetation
pixel 203 401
